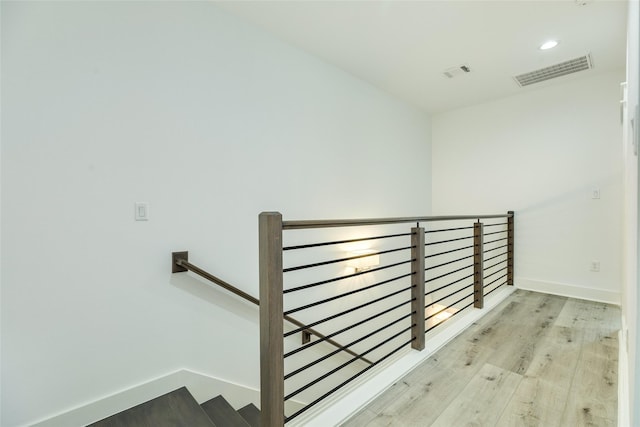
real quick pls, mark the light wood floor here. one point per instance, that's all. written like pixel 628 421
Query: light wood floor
pixel 535 360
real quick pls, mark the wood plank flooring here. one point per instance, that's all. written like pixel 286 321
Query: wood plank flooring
pixel 535 360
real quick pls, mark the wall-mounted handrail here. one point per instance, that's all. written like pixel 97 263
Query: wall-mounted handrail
pixel 180 263
pixel 324 223
pixel 180 259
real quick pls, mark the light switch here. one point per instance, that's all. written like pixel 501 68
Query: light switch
pixel 142 211
pixel 595 193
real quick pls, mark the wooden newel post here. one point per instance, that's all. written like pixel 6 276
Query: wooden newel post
pixel 417 289
pixel 510 230
pixel 478 265
pixel 271 320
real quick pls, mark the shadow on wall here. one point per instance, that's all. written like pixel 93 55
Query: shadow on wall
pixel 215 295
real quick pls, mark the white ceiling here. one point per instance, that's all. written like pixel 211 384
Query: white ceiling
pixel 403 47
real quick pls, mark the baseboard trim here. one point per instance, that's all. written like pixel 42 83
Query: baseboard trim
pixel 202 386
pixel 567 290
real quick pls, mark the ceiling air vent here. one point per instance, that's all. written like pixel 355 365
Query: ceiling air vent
pixel 455 71
pixel 561 69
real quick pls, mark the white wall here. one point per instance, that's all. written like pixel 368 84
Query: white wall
pixel 541 154
pixel 208 120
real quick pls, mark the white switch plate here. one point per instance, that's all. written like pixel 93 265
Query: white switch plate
pixel 142 211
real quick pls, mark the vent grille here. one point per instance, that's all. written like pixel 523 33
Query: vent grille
pixel 562 69
pixel 456 71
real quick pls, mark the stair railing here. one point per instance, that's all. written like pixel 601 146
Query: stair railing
pixel 419 270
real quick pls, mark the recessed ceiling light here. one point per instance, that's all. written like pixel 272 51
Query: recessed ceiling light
pixel 549 45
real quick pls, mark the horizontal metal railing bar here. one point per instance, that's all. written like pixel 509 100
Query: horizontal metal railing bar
pixel 449 262
pixel 229 287
pixel 495 232
pixel 494 225
pixel 448 252
pixel 447 274
pixel 347 381
pixel 296 225
pixel 494 281
pixel 448 229
pixel 339 242
pixel 346 294
pixel 333 261
pixel 497 287
pixel 452 304
pixel 497 263
pixel 497 240
pixel 444 320
pixel 495 272
pixel 347 276
pixel 447 241
pixel 495 249
pixel 447 285
pixel 338 332
pixel 345 364
pixel 496 256
pixel 352 309
pixel 448 296
pixel 354 342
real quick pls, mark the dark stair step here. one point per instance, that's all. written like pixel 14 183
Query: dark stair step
pixel 175 409
pixel 251 414
pixel 222 413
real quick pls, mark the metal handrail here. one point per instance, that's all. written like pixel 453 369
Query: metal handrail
pixel 325 223
pixel 180 263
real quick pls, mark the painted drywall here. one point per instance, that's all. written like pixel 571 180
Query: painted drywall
pixel 542 154
pixel 209 121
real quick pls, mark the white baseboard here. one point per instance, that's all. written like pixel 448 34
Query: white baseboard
pixel 340 407
pixel 203 387
pixel 566 290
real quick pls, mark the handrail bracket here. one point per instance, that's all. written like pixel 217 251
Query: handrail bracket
pixel 176 265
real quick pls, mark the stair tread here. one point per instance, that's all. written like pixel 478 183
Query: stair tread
pixel 222 413
pixel 251 414
pixel 175 409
